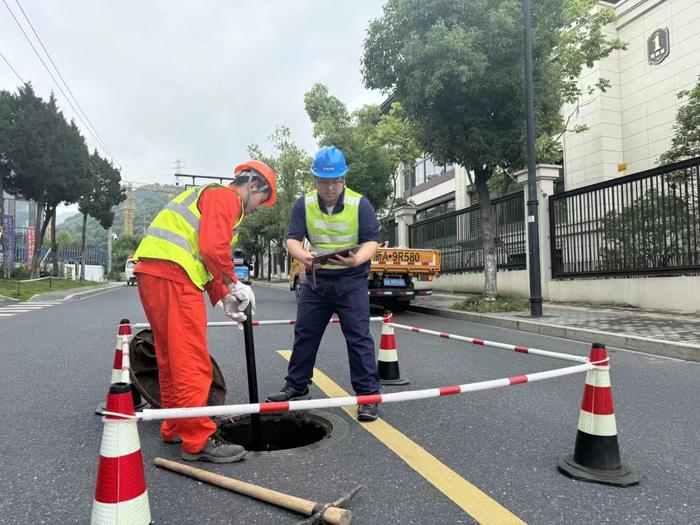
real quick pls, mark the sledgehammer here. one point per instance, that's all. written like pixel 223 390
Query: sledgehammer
pixel 318 512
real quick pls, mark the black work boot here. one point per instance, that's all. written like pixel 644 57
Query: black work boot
pixel 368 412
pixel 217 450
pixel 287 394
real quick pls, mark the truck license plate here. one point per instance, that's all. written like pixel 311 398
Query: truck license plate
pixel 394 281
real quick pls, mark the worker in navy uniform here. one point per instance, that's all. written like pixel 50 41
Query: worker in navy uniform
pixel 333 217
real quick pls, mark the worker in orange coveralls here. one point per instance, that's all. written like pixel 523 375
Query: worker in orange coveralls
pixel 186 250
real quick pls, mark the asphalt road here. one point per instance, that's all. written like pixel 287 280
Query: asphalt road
pixel 57 366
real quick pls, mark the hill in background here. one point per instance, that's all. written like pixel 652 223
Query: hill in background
pixel 148 200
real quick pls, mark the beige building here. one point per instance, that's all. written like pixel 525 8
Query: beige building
pixel 630 124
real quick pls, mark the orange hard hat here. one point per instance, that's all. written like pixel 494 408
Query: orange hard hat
pixel 266 173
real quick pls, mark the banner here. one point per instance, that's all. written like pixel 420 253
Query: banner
pixel 30 242
pixel 9 233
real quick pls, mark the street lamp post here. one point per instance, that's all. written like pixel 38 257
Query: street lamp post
pixel 532 202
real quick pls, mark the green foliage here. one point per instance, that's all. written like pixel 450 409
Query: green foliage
pixel 686 139
pixel 105 191
pixel 365 138
pixel 9 287
pixel 501 304
pixel 148 201
pixel 291 165
pixel 47 157
pixel 122 248
pixel 653 232
pixel 457 66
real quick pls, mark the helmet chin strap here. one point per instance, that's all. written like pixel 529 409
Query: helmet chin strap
pixel 246 200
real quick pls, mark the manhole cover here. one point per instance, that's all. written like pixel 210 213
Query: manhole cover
pixel 286 432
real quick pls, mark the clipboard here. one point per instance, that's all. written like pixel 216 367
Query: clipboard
pixel 325 257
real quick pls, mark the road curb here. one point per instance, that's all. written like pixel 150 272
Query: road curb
pixel 684 351
pixel 279 286
pixel 90 291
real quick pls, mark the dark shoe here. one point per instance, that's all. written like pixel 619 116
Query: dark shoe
pixel 217 450
pixel 368 412
pixel 287 393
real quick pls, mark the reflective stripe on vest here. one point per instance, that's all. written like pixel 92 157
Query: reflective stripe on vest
pixel 328 233
pixel 174 235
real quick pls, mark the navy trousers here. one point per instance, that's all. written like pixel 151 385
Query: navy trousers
pixel 348 298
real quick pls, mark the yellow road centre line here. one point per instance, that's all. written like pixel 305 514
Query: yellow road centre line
pixel 469 498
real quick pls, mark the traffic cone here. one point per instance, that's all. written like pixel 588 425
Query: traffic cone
pixel 120 492
pixel 596 456
pixel 120 366
pixel 388 359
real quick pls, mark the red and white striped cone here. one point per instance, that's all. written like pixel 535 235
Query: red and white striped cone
pixel 121 497
pixel 120 365
pixel 387 356
pixel 596 456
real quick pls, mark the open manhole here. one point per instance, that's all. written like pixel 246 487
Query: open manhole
pixel 285 433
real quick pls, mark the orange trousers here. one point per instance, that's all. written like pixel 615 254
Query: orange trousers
pixel 178 318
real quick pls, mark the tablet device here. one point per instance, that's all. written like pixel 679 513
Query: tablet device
pixel 323 258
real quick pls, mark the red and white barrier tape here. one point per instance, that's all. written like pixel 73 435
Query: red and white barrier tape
pixel 335 402
pixel 256 323
pixel 502 346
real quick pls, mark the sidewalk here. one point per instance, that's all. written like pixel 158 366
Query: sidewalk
pixel 666 334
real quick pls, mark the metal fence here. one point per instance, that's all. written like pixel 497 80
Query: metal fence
pixel 645 223
pixel 66 254
pixel 458 236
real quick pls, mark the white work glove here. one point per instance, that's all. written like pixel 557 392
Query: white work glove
pixel 244 294
pixel 230 304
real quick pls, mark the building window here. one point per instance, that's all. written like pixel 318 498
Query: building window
pixel 425 169
pixel 436 211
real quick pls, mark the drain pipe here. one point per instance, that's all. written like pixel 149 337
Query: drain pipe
pixel 252 376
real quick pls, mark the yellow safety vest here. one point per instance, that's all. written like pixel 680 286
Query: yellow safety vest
pixel 328 233
pixel 174 235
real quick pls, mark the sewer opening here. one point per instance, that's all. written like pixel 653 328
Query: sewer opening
pixel 278 431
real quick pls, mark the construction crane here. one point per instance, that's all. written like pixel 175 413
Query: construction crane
pixel 130 203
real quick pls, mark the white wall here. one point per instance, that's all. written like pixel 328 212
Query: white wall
pixel 632 122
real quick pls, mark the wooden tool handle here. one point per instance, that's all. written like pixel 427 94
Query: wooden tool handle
pixel 333 515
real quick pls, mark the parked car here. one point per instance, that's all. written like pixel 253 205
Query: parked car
pixel 129 271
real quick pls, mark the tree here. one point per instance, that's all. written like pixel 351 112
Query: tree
pixel 123 247
pixel 457 67
pixel 686 138
pixel 49 160
pixel 291 165
pixel 370 170
pixel 397 136
pixel 105 193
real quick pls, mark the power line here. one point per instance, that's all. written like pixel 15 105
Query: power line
pixel 95 134
pixel 77 114
pixel 13 69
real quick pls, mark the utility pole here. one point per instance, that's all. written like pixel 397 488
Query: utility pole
pixel 533 236
pixel 179 166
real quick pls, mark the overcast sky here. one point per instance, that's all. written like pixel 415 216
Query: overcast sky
pixel 196 80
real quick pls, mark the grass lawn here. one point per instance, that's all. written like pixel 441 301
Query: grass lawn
pixel 501 304
pixel 8 287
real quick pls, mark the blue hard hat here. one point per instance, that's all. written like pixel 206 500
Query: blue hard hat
pixel 329 163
